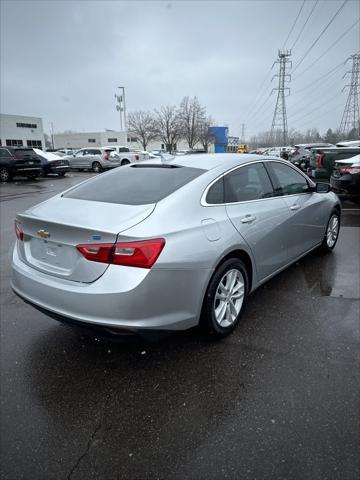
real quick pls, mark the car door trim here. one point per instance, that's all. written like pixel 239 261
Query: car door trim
pixel 204 203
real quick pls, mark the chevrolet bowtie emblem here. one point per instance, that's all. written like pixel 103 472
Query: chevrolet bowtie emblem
pixel 43 234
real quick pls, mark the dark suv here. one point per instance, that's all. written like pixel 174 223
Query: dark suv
pixel 18 163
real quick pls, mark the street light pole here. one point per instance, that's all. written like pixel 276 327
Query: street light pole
pixel 124 110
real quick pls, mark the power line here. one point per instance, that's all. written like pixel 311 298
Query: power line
pixel 327 74
pixel 257 96
pixel 296 19
pixel 317 108
pixel 331 46
pixel 319 36
pixel 308 18
pixel 280 117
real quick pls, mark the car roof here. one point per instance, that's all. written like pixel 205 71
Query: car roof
pixel 209 161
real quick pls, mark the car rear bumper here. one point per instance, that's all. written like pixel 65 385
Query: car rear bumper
pixel 129 298
pixel 347 184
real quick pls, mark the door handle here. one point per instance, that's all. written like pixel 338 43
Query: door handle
pixel 248 219
pixel 295 207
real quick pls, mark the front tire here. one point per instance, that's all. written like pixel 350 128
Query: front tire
pixel 61 174
pixel 96 167
pixel 225 299
pixel 5 175
pixel 331 233
pixel 125 162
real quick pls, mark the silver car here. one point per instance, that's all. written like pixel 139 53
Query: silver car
pixel 170 245
pixel 95 159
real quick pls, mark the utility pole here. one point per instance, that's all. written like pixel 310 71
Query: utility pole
pixel 280 118
pixel 351 119
pixel 243 127
pixel 121 108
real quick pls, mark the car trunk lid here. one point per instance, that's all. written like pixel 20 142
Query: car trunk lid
pixel 53 229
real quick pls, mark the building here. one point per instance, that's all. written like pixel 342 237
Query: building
pixel 21 131
pixel 90 139
pixel 220 135
pixel 107 138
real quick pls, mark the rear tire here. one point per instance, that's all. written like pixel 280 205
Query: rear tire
pixel 331 233
pixel 61 174
pixel 225 299
pixel 96 167
pixel 5 175
pixel 125 162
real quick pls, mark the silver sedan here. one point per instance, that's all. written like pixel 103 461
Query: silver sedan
pixel 168 245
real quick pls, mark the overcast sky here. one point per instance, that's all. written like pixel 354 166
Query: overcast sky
pixel 62 60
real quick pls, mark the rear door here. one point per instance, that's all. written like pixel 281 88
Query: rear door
pixel 307 209
pixel 75 160
pixel 258 215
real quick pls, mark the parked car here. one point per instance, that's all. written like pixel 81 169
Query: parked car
pixel 18 163
pixel 95 159
pixel 349 143
pixel 277 151
pixel 300 155
pixel 346 177
pixel 169 246
pixel 128 156
pixel 51 163
pixel 323 160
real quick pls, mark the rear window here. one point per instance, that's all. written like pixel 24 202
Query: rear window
pixel 135 185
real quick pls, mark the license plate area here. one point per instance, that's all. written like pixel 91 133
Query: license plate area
pixel 51 256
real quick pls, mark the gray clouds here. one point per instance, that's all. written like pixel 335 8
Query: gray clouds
pixel 63 60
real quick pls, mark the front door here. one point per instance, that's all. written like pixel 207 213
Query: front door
pixel 258 215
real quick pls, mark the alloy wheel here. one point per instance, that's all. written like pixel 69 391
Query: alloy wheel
pixel 229 298
pixel 332 231
pixel 4 175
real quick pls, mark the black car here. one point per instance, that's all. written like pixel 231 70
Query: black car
pixel 14 163
pixel 50 162
pixel 346 177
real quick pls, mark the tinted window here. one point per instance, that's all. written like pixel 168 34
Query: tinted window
pixel 94 152
pixel 4 152
pixel 135 185
pixel 216 193
pixel 287 181
pixel 250 182
pixel 124 149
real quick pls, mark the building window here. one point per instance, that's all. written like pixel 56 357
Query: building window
pixel 132 139
pixel 92 140
pixel 34 143
pixel 26 125
pixel 112 140
pixel 14 143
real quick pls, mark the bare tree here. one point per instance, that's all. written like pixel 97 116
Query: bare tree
pixel 205 135
pixel 142 124
pixel 168 126
pixel 192 116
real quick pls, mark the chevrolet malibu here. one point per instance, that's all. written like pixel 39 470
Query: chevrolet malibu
pixel 170 245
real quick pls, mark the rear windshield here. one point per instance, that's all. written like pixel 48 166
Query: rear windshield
pixel 136 184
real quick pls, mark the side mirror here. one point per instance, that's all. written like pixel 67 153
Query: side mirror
pixel 322 187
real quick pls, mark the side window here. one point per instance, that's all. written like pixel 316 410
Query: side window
pixel 80 153
pixel 286 180
pixel 250 182
pixel 215 194
pixel 4 153
pixel 94 152
pixel 124 149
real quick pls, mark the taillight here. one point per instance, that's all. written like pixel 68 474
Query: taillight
pixel 107 156
pixel 19 232
pixel 319 160
pixel 351 170
pixel 142 254
pixel 137 157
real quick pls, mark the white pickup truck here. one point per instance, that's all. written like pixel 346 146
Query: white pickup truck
pixel 126 155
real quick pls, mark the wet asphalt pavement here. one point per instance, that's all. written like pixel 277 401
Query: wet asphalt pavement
pixel 278 399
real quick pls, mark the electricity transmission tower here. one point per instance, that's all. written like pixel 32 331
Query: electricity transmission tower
pixel 280 119
pixel 350 119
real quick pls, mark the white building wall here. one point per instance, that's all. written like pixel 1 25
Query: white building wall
pixel 88 139
pixel 102 139
pixel 23 129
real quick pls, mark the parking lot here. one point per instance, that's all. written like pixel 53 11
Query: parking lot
pixel 279 398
